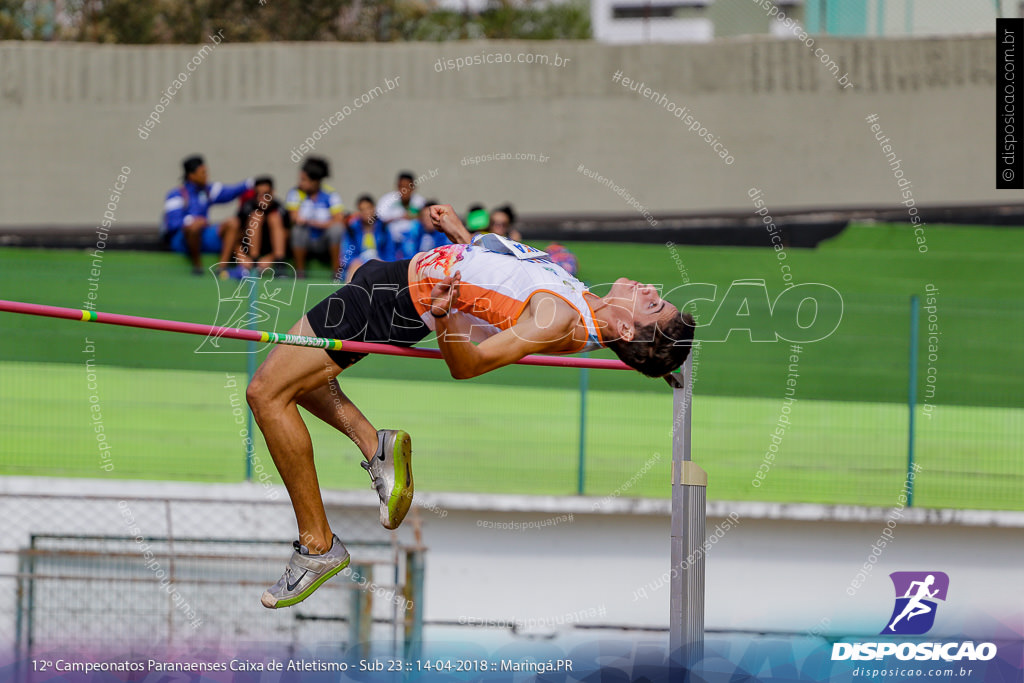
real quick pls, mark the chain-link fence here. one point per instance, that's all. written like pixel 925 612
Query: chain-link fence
pixel 141 575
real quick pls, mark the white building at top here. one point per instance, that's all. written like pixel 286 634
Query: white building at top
pixel 676 21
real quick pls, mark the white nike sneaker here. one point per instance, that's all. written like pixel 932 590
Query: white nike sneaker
pixel 391 472
pixel 304 574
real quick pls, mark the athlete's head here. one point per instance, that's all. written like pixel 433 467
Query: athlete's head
pixel 194 170
pixel 645 331
pixel 314 170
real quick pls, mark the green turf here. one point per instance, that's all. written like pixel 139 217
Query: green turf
pixel 875 268
pixel 168 412
pixel 163 424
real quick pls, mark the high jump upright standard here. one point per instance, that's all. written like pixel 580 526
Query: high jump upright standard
pixel 689 508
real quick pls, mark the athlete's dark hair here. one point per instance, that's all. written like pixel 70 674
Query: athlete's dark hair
pixel 407 175
pixel 316 168
pixel 657 348
pixel 365 198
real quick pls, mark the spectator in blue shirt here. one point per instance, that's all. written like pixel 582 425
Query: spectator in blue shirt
pixel 399 209
pixel 423 236
pixel 317 217
pixel 187 228
pixel 366 239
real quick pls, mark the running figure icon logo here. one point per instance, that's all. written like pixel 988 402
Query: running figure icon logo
pixel 916 595
pixel 255 302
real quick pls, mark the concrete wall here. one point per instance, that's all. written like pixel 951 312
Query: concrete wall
pixel 549 564
pixel 70 114
pixel 782 568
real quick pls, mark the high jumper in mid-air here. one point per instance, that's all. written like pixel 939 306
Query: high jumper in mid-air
pixel 491 301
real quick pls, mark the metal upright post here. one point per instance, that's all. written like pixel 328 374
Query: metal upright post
pixel 581 464
pixel 689 508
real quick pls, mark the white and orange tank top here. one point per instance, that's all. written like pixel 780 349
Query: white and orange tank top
pixel 498 278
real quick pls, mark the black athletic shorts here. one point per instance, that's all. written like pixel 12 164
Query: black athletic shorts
pixel 375 307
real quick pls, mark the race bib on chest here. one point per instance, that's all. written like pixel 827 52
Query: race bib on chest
pixel 503 245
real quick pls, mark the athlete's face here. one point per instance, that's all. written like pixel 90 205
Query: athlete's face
pixel 642 302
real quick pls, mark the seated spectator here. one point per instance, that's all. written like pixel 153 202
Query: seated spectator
pixel 423 236
pixel 317 216
pixel 399 209
pixel 366 239
pixel 477 218
pixel 186 225
pixel 503 220
pixel 263 237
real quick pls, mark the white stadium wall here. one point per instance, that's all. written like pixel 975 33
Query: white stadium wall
pixel 552 565
pixel 70 118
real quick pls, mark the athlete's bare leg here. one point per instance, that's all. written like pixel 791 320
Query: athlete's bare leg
pixel 287 375
pixel 332 406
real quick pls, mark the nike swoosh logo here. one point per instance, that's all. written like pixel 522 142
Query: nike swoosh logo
pixel 291 586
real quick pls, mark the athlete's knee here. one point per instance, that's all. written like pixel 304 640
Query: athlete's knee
pixel 259 395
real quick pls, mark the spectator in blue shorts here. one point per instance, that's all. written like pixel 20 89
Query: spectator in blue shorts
pixel 317 216
pixel 366 239
pixel 399 210
pixel 187 228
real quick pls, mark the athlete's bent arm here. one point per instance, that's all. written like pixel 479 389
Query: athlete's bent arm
pixel 467 360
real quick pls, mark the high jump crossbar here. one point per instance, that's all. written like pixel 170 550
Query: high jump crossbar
pixel 282 338
pixel 689 482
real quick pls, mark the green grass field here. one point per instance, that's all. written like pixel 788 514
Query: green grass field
pixel 167 411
